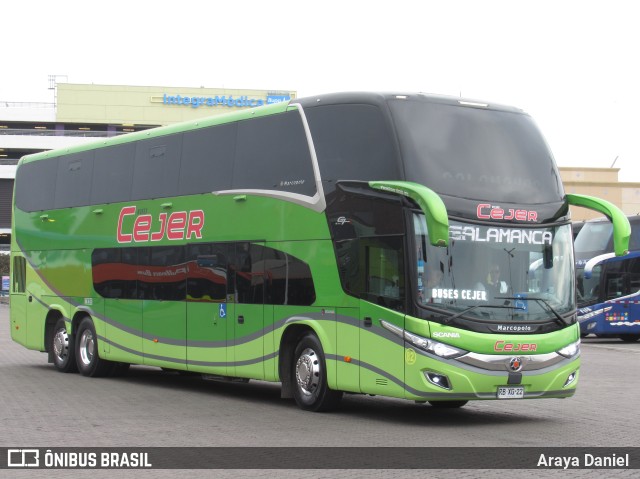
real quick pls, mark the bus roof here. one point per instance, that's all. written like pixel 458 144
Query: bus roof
pixel 381 97
pixel 375 98
pixel 162 130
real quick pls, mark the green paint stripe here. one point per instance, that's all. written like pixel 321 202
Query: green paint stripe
pixel 188 362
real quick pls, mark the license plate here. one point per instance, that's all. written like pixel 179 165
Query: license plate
pixel 506 392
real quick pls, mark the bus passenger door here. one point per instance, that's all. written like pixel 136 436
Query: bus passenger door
pixel 208 312
pixel 114 274
pixel 246 283
pixel 382 347
pixel 162 283
pixel 18 310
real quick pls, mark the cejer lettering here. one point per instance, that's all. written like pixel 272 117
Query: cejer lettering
pixel 176 226
pixel 503 346
pixel 486 211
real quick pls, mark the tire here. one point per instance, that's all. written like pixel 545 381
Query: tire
pixel 629 338
pixel 447 404
pixel 62 348
pixel 309 377
pixel 87 358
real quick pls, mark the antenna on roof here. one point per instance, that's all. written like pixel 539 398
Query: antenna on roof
pixel 614 161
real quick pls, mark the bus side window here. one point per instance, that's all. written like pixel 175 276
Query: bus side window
pixel 272 153
pixel 207 159
pixel 286 279
pixel 19 274
pixel 248 273
pixel 633 269
pixel 614 280
pixel 207 272
pixel 384 271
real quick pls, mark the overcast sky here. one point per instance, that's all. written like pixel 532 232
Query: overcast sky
pixel 573 65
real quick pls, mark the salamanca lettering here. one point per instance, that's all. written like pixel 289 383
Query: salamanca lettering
pixel 499 235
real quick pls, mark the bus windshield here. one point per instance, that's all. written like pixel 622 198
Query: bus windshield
pixel 595 240
pixel 496 273
pixel 453 148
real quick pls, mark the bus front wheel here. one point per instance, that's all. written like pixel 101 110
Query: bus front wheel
pixel 62 348
pixel 309 376
pixel 89 362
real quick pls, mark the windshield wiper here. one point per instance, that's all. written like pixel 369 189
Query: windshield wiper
pixel 556 315
pixel 448 319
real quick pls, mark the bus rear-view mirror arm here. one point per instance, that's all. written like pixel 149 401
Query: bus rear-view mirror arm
pixel 588 267
pixel 621 226
pixel 434 209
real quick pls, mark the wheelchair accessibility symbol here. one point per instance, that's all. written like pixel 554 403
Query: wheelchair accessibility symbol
pixel 223 310
pixel 521 303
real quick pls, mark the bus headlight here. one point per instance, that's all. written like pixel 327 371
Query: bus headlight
pixel 429 345
pixel 571 350
pixel 433 347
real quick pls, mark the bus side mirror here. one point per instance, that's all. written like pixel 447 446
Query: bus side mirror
pixel 621 226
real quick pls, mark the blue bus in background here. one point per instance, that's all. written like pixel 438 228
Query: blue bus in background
pixel 608 286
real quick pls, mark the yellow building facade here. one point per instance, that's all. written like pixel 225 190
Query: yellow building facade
pixel 603 183
pixel 154 105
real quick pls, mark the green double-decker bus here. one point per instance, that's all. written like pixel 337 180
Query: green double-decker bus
pixel 409 246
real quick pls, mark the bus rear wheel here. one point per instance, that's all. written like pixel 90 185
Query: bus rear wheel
pixel 447 404
pixel 309 377
pixel 62 348
pixel 89 362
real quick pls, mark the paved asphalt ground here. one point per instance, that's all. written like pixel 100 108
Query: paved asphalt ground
pixel 40 407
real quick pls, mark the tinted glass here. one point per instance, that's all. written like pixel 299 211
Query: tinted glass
pixel 19 273
pixel 248 274
pixel 588 289
pixel 634 241
pixel 352 142
pixel 614 280
pixel 73 184
pixel 34 188
pixel 272 153
pixel 288 279
pixel 162 273
pixel 594 237
pixel 115 272
pixel 207 265
pixel 476 153
pixel 157 167
pixel 633 268
pixel 207 159
pixel 113 174
pixel 373 268
pixel 495 273
pixel 353 215
pixel 214 272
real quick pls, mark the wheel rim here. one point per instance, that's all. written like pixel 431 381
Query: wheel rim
pixel 308 372
pixel 87 347
pixel 61 345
